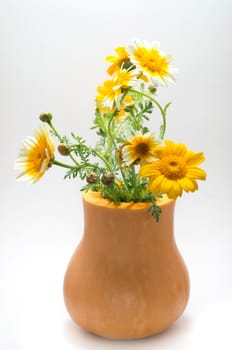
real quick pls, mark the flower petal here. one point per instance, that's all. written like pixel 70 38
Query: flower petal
pixel 187 184
pixel 196 173
pixel 155 184
pixel 35 155
pixel 150 170
pixel 171 188
pixel 195 159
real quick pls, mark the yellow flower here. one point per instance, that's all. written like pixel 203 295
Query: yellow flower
pixel 128 100
pixel 151 61
pixel 139 148
pixel 122 57
pixel 36 155
pixel 174 171
pixel 110 93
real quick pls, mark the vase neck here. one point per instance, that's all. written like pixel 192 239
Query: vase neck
pixel 117 231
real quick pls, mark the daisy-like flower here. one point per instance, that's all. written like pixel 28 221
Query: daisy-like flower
pixel 110 93
pixel 175 170
pixel 128 100
pixel 36 155
pixel 122 59
pixel 139 148
pixel 151 61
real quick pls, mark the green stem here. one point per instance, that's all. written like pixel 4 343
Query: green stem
pixel 108 166
pixel 78 167
pixel 73 159
pixel 103 159
pixel 55 131
pixel 162 111
pixel 61 140
pixel 116 150
pixel 63 165
pixel 120 124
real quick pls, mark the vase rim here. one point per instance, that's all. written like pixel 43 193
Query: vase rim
pixel 95 198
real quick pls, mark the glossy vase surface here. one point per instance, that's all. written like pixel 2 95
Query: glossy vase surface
pixel 126 279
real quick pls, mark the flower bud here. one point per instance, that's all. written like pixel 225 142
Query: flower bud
pixel 91 178
pixel 152 89
pixel 108 178
pixel 45 117
pixel 63 149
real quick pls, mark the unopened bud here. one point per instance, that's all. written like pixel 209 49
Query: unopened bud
pixel 152 89
pixel 108 178
pixel 91 178
pixel 45 117
pixel 63 149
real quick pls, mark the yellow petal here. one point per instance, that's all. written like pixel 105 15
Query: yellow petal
pixel 175 191
pixel 149 170
pixel 170 145
pixel 196 173
pixel 128 99
pixel 171 188
pixel 187 184
pixel 110 59
pixel 159 152
pixel 167 185
pixel 155 184
pixel 180 149
pixel 195 159
pixel 113 68
pixel 121 51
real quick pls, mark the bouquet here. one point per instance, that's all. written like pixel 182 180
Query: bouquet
pixel 130 162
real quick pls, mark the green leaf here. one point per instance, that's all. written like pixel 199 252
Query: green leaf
pixel 155 210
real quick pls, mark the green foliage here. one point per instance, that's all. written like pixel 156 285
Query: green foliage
pixel 113 193
pixel 155 211
pixel 80 149
pixel 138 115
pixel 114 130
pixel 81 170
pixel 97 187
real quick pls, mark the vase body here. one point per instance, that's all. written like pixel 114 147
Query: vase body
pixel 126 279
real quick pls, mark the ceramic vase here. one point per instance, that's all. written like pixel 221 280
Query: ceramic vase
pixel 126 279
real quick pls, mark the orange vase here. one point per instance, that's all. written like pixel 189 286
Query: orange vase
pixel 126 279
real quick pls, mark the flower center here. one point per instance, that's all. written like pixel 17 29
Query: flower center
pixel 173 167
pixel 38 158
pixel 152 61
pixel 142 149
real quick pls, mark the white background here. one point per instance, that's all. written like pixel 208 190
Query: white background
pixel 52 58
